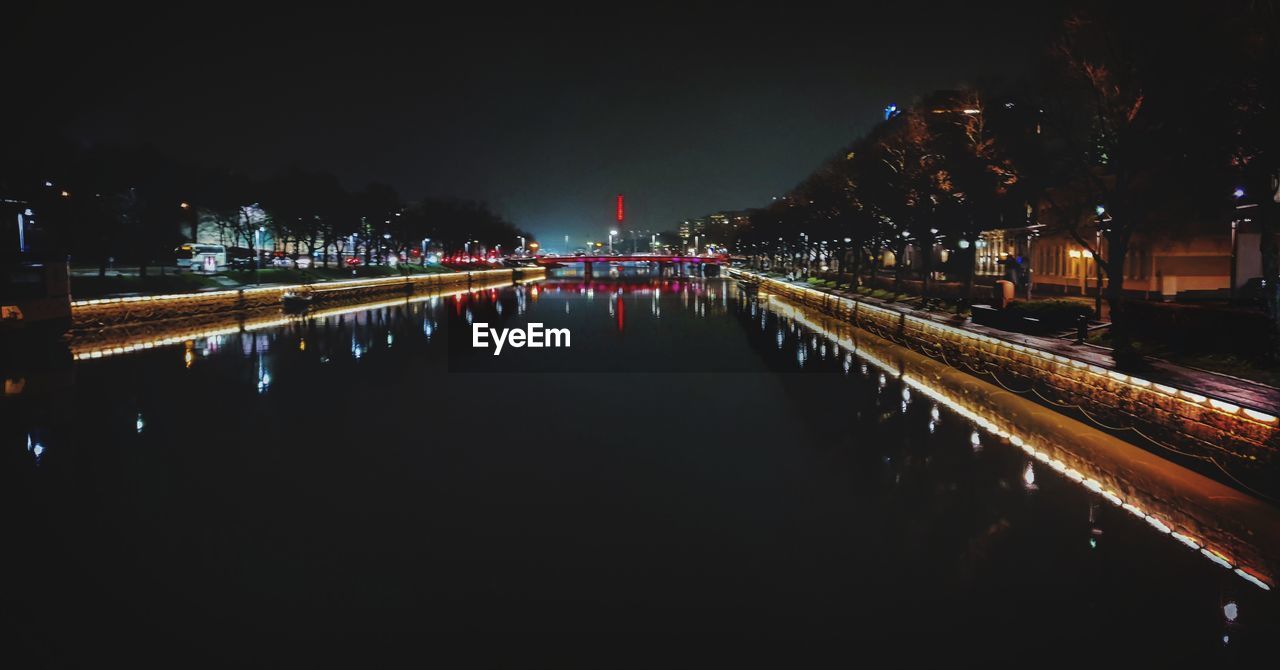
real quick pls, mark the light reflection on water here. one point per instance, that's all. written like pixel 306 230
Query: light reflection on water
pixel 1229 522
pixel 929 492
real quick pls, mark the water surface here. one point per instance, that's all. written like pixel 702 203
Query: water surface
pixel 699 461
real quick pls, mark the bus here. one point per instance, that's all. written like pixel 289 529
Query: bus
pixel 195 257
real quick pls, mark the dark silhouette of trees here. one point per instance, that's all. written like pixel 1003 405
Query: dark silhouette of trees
pixel 1248 44
pixel 1126 131
pixel 972 175
pixel 305 207
pixel 126 205
pixel 1135 149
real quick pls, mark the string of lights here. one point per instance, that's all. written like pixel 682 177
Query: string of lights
pixel 1184 536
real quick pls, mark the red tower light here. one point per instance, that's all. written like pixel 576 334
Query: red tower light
pixel 619 208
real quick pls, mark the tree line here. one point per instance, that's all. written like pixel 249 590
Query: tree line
pixel 134 205
pixel 1133 125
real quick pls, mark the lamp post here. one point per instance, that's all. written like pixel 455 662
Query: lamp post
pixel 1235 230
pixel 195 220
pixel 1030 278
pixel 257 259
pixel 805 250
pixel 844 260
pixel 612 233
pixel 1097 264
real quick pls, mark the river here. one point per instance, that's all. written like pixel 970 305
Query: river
pixel 700 460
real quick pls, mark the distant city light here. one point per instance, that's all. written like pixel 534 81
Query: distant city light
pixel 1239 192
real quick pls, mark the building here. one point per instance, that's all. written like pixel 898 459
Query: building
pixel 1202 261
pixel 1206 262
pixel 719 229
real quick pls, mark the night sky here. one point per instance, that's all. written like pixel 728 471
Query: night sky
pixel 545 116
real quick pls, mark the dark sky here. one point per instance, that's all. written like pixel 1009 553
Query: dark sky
pixel 544 115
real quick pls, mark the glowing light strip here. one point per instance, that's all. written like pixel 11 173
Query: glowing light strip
pixel 369 281
pixel 925 324
pixel 267 323
pixel 1252 579
pixel 1162 525
pixel 1216 558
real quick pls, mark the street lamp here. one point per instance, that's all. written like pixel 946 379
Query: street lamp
pixel 806 253
pixel 257 245
pixel 1097 254
pixel 612 233
pixel 1238 194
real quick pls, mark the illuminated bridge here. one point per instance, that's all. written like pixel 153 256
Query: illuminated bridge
pixel 681 264
pixel 631 258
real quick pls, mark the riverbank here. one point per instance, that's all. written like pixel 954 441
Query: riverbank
pixel 1220 422
pixel 1226 525
pixel 1204 334
pixel 118 284
pixel 140 336
pixel 104 312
